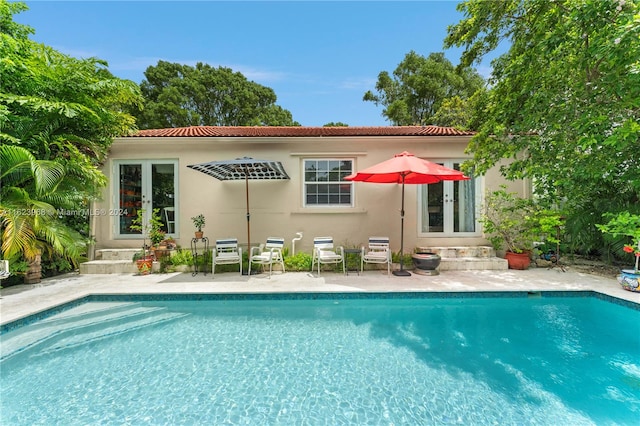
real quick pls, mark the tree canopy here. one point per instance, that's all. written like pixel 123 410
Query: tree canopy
pixel 76 103
pixel 58 117
pixel 181 95
pixel 565 98
pixel 419 87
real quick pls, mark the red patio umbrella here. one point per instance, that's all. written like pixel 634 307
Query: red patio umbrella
pixel 406 168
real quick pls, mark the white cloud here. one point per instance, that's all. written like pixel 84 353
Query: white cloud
pixel 264 76
pixel 358 84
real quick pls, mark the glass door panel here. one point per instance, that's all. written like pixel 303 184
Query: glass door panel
pixel 130 196
pixel 433 210
pixel 148 185
pixel 163 194
pixel 449 207
pixel 464 208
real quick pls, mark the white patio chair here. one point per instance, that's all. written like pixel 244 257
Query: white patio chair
pixel 227 252
pixel 377 252
pixel 170 219
pixel 268 254
pixel 325 254
pixel 4 269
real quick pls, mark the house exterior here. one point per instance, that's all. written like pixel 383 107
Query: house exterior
pixel 149 170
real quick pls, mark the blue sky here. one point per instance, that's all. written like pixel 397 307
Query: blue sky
pixel 319 57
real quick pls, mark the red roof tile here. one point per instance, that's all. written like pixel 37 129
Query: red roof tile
pixel 267 131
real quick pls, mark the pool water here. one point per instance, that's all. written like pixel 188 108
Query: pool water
pixel 373 361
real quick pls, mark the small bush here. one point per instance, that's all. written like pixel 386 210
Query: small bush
pixel 182 257
pixel 299 262
pixel 407 260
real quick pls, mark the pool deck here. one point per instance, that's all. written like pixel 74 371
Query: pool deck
pixel 20 301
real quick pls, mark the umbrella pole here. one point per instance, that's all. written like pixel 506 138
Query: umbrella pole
pixel 402 272
pixel 246 184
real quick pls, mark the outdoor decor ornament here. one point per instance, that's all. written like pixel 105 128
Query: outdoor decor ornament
pixel 626 224
pixel 630 279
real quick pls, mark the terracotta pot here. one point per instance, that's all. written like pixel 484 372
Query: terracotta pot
pixel 518 260
pixel 199 234
pixel 144 266
pixel 629 280
pixel 160 252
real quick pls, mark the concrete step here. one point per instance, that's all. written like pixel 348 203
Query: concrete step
pixel 114 261
pixel 82 325
pixel 472 263
pixel 466 258
pixel 462 251
pixel 116 254
pixel 108 267
pixel 102 332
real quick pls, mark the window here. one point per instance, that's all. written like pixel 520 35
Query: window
pixel 324 183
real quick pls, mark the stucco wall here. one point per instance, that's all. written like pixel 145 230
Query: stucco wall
pixel 277 206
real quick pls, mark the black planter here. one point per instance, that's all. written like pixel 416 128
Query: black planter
pixel 426 263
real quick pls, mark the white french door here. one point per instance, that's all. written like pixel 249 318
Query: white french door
pixel 148 185
pixel 449 208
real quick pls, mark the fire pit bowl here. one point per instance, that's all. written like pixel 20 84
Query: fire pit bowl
pixel 426 263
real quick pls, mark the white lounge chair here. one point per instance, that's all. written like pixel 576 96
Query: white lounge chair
pixel 377 252
pixel 4 269
pixel 324 253
pixel 227 252
pixel 268 254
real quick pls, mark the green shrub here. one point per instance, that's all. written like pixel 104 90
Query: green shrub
pixel 182 257
pixel 395 258
pixel 299 262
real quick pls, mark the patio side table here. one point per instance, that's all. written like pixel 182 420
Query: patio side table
pixel 194 252
pixel 355 252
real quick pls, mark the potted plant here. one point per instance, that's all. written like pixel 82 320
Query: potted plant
pixel 170 243
pixel 153 229
pixel 625 224
pixel 143 261
pixel 156 236
pixel 198 222
pixel 513 224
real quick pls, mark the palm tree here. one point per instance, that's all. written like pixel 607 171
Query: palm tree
pixel 31 194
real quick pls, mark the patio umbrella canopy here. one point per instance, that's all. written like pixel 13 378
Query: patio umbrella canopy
pixel 245 168
pixel 405 168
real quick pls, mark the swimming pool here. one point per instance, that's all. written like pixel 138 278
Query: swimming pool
pixel 326 359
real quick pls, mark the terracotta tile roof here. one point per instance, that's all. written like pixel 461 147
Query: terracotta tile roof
pixel 265 131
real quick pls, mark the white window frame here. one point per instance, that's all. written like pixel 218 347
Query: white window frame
pixel 351 205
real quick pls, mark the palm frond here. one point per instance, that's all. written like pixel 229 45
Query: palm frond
pixel 17 236
pixel 47 175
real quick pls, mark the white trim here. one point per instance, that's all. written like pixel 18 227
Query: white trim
pixel 334 207
pixel 146 191
pixel 447 208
